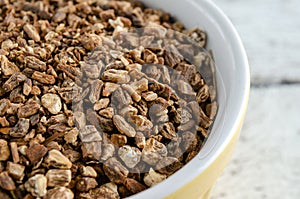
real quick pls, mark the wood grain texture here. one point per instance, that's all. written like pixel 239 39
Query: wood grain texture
pixel 266 162
pixel 270 30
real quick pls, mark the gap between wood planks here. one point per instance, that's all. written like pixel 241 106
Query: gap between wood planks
pixel 265 84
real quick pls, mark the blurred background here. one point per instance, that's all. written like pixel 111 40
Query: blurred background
pixel 266 163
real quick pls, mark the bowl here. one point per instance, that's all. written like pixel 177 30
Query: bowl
pixel 196 178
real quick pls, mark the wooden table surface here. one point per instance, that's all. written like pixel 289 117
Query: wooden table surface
pixel 266 163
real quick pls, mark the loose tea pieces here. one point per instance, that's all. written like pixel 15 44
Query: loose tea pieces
pixel 98 99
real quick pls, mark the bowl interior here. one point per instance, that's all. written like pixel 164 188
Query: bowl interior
pixel 232 83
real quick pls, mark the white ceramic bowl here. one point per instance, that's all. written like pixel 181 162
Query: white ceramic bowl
pixel 233 83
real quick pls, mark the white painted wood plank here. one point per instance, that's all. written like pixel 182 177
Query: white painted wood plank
pixel 266 161
pixel 270 30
